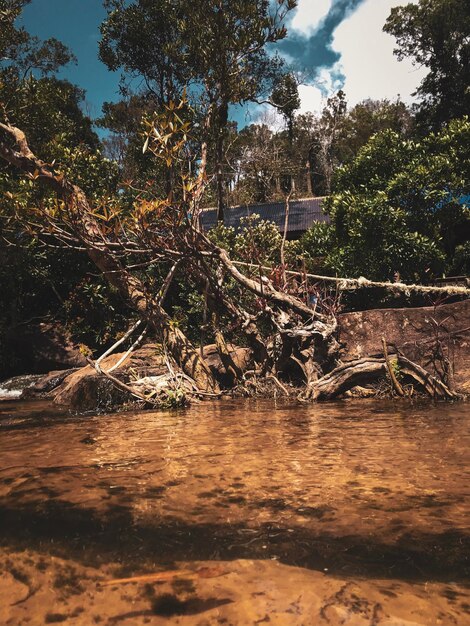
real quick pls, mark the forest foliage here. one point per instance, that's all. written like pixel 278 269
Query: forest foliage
pixel 396 177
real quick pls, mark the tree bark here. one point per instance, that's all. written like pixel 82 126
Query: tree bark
pixel 308 173
pixel 221 129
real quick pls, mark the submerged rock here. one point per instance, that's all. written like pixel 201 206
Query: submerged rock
pixel 40 589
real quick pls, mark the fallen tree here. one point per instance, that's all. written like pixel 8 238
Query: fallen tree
pixel 291 338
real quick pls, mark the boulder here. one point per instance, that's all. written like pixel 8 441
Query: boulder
pixel 242 358
pixel 46 384
pixel 420 333
pixel 85 390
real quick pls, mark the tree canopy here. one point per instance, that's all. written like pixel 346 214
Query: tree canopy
pixel 435 34
pixel 402 206
pixel 223 63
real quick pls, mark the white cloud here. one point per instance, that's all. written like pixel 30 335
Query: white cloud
pixel 367 60
pixel 309 14
pixel 313 97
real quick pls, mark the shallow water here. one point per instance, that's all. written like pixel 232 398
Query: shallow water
pixel 357 488
pixel 14 387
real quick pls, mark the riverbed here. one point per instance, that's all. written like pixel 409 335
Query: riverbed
pixel 353 512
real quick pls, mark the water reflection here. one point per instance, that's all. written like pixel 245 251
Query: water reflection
pixel 356 487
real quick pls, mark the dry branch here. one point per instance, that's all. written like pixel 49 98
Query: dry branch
pixel 396 385
pixel 353 284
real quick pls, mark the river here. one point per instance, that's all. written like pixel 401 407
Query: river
pixel 353 512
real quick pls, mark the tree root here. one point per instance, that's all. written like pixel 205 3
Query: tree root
pixel 344 378
pixel 367 370
pixel 432 385
pixel 396 385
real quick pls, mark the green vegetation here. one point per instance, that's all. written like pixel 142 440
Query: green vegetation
pixel 397 178
pixel 435 34
pixel 400 205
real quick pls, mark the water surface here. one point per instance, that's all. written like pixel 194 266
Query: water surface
pixel 357 488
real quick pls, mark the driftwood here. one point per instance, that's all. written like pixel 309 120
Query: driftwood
pixel 367 370
pixel 202 572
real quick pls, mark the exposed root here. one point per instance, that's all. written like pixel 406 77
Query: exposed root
pixel 396 385
pixel 432 385
pixel 278 384
pixel 368 370
pixel 344 378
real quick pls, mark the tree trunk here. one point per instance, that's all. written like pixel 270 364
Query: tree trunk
pixel 309 179
pixel 88 232
pixel 219 157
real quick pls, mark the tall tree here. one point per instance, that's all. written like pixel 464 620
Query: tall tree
pixel 232 61
pixel 23 53
pixel 225 60
pixel 324 148
pixel 368 118
pixel 286 98
pixel 436 35
pixel 143 39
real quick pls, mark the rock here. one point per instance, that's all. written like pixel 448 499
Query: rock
pixel 85 390
pixel 46 384
pixel 40 348
pixel 246 592
pixel 241 356
pixel 414 331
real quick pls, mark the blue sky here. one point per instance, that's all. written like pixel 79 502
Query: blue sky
pixel 76 23
pixel 338 43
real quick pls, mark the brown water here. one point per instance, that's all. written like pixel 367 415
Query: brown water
pixel 364 490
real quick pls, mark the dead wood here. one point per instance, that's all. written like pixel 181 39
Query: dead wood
pixel 344 378
pixel 432 385
pixel 353 284
pixel 368 370
pixel 203 572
